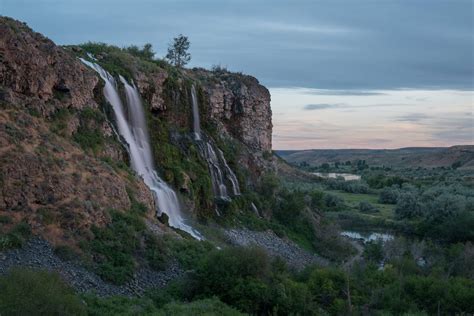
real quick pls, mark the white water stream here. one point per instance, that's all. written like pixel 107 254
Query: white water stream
pixel 218 167
pixel 131 124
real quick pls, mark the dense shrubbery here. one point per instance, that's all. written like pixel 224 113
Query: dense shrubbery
pixel 119 305
pixel 28 292
pixel 333 202
pixel 250 281
pixel 244 278
pixel 389 195
pixel 366 207
pixel 114 247
pixel 292 213
pixel 146 52
pixel 379 181
pixel 445 212
pixel 352 186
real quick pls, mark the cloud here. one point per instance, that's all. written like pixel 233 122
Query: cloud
pixel 344 92
pixel 300 28
pixel 297 137
pixel 461 136
pixel 412 117
pixel 348 107
pixel 312 107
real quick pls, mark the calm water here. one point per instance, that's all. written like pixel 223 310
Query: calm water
pixel 332 175
pixel 367 236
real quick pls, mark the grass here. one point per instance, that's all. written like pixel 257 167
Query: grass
pixel 350 216
pixel 352 200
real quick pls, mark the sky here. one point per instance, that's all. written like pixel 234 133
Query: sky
pixel 341 73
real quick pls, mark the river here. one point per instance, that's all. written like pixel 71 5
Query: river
pixel 332 175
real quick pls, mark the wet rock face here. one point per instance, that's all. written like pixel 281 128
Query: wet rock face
pixel 151 88
pixel 36 73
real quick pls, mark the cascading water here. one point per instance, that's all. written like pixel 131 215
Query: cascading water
pixel 214 160
pixel 196 120
pixel 135 133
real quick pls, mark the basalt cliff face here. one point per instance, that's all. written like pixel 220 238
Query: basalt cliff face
pixel 62 165
pixel 240 106
pixel 49 108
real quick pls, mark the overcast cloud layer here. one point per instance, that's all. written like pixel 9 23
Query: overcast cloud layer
pixel 344 49
pixel 319 44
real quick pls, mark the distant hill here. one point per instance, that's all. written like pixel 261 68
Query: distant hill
pixel 428 157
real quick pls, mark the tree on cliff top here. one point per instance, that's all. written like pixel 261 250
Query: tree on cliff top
pixel 178 51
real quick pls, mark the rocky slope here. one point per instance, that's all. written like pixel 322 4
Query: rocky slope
pixel 38 254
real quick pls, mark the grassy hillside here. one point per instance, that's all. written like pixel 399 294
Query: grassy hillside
pixel 427 157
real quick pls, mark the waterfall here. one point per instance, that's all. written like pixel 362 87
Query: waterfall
pixel 196 120
pixel 230 174
pixel 218 167
pixel 135 132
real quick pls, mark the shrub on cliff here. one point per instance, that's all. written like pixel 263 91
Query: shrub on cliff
pixel 146 52
pixel 16 237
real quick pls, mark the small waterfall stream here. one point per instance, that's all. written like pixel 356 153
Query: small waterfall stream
pixel 218 167
pixel 131 123
pixel 196 119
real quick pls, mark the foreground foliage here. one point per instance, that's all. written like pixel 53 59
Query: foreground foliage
pixel 254 283
pixel 28 292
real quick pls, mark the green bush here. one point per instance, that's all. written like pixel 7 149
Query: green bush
pixel 113 246
pixel 89 139
pixel 119 305
pixel 367 207
pixel 16 237
pixel 204 307
pixel 114 249
pixel 188 252
pixel 156 252
pixel 373 251
pixel 333 202
pixel 28 292
pixel 389 195
pixel 65 252
pixel 4 219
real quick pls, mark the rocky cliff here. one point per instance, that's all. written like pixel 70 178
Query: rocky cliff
pixel 240 107
pixel 55 141
pixel 62 165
